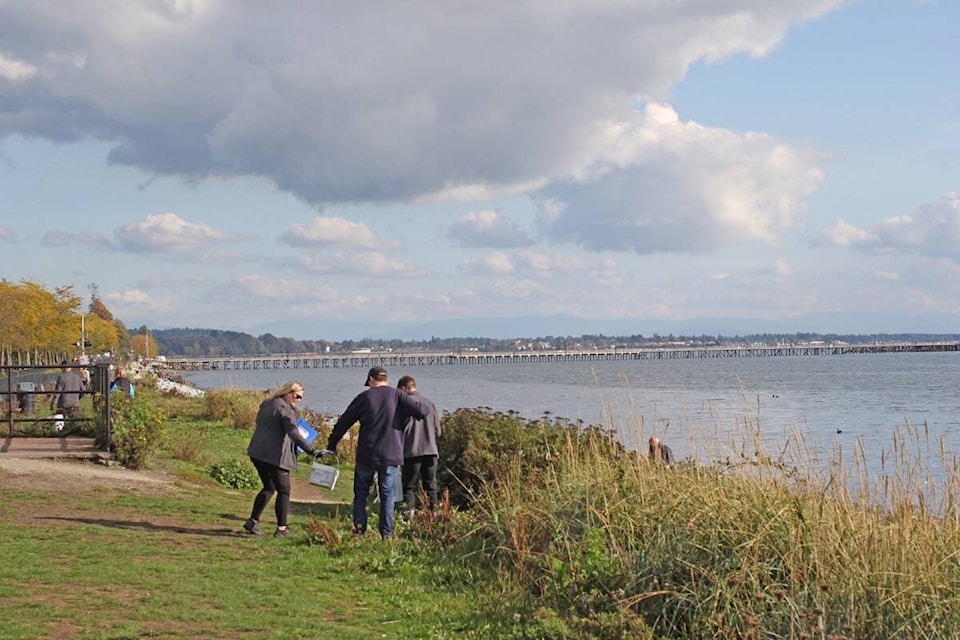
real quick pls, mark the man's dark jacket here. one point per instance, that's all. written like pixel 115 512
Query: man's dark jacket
pixel 381 412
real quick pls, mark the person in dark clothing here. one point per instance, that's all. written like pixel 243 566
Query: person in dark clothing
pixel 122 383
pixel 420 452
pixel 660 452
pixel 381 411
pixel 272 450
pixel 66 392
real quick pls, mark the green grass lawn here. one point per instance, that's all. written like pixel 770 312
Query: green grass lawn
pixel 102 560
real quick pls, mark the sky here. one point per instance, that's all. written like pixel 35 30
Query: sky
pixel 342 170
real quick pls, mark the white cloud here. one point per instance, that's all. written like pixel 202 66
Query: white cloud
pixel 783 269
pixel 671 186
pixel 488 229
pixel 371 263
pixel 327 104
pixel 932 231
pixel 885 276
pixel 15 70
pixel 497 263
pixel 333 232
pixel 545 264
pixel 521 288
pixel 136 303
pixel 166 233
pixel 844 234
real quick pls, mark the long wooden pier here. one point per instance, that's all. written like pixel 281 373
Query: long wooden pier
pixel 411 358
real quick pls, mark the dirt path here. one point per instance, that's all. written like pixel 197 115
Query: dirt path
pixel 67 475
pixel 64 476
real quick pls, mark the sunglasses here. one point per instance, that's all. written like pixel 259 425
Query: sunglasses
pixel 298 396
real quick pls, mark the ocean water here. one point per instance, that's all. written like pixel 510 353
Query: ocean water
pixel 859 409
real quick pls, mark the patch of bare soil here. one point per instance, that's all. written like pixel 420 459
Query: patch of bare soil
pixel 73 475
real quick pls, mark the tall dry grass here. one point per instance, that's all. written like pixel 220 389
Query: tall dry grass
pixel 761 542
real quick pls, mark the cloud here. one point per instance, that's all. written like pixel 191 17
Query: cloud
pixel 844 234
pixel 15 70
pixel 333 232
pixel 296 297
pixel 136 303
pixel 166 233
pixel 488 229
pixel 497 263
pixel 524 288
pixel 7 234
pixel 371 263
pixel 672 186
pixel 931 231
pixel 545 264
pixel 328 105
pixel 89 239
pixel 533 266
pixel 885 276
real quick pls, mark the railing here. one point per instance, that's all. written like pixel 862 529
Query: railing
pixel 395 358
pixel 22 386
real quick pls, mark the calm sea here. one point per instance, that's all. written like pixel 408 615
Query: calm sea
pixel 857 405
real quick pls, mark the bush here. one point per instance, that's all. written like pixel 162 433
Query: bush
pixel 137 429
pixel 346 448
pixel 478 446
pixel 235 407
pixel 237 473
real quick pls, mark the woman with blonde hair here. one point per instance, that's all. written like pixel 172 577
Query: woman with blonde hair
pixel 273 452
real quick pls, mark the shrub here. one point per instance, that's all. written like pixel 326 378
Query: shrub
pixel 235 407
pixel 237 473
pixel 323 533
pixel 478 446
pixel 190 448
pixel 137 429
pixel 346 448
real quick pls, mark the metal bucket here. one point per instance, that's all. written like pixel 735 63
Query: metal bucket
pixel 324 475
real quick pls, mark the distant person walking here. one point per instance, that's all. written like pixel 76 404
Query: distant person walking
pixel 272 450
pixel 660 452
pixel 66 392
pixel 420 452
pixel 382 412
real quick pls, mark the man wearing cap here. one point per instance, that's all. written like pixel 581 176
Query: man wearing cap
pixel 382 412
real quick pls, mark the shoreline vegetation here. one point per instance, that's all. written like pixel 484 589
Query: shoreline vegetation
pixel 549 529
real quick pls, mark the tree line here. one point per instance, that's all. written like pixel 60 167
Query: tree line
pixel 39 326
pixel 213 342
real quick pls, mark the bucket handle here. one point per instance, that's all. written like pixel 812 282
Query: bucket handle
pixel 323 453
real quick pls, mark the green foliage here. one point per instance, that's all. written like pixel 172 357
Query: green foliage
pixel 138 428
pixel 478 446
pixel 237 473
pixel 236 407
pixel 346 448
pixel 324 533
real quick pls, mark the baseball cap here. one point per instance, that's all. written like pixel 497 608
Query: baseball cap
pixel 377 373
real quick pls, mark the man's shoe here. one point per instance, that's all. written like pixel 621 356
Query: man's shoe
pixel 282 533
pixel 252 527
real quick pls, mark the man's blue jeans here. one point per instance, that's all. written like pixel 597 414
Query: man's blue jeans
pixel 386 486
